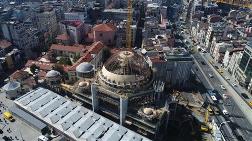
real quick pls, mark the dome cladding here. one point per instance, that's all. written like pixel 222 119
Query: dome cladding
pixel 52 73
pixel 126 68
pixel 127 63
pixel 85 67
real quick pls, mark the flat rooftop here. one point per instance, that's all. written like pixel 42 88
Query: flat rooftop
pixel 74 121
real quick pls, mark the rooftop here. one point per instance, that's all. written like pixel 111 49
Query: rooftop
pixel 105 27
pixel 76 48
pixel 63 37
pixel 73 120
pixel 41 65
pixel 5 44
pixel 72 23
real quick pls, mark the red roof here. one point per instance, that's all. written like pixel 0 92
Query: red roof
pixel 63 37
pixel 104 27
pixel 77 48
pixel 42 65
pixel 19 74
pixel 87 57
pixel 5 44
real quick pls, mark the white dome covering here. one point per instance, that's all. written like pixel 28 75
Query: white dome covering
pixel 148 111
pixel 84 67
pixel 83 84
pixel 12 85
pixel 52 73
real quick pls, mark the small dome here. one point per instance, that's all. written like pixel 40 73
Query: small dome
pixel 83 84
pixel 12 85
pixel 52 73
pixel 85 67
pixel 148 111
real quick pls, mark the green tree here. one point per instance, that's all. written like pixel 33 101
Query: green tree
pixel 65 61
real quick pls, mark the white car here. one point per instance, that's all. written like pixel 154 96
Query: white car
pixel 225 96
pixel 222 87
pixel 227 78
pixel 225 112
pixel 234 84
pixel 210 75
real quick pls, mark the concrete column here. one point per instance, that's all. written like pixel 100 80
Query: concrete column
pixel 123 109
pixel 95 103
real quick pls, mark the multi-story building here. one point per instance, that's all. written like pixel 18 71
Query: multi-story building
pixel 172 65
pixel 104 33
pixel 5 47
pixel 23 37
pixel 215 30
pixel 234 60
pixel 121 34
pixel 244 72
pixel 75 30
pixel 47 23
pixel 115 14
pixel 218 51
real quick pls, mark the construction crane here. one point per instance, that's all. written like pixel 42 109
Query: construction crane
pixel 240 3
pixel 128 28
pixel 206 126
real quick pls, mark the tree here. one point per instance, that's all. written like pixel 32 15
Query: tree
pixel 60 69
pixel 33 68
pixel 65 61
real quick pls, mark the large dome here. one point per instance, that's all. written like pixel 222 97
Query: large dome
pixel 126 69
pixel 85 67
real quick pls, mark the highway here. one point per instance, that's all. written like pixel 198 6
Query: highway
pixel 239 124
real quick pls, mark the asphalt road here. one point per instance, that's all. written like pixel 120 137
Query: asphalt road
pixel 239 122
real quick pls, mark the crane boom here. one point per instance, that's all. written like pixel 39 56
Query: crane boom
pixel 241 3
pixel 128 28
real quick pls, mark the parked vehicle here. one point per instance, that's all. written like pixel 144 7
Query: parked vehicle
pixel 210 75
pixel 234 84
pixel 225 112
pixel 222 87
pixel 244 95
pixel 8 116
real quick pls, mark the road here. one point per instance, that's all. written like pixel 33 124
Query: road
pixel 239 121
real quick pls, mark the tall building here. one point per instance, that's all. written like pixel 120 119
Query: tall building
pixel 21 36
pixel 46 22
pixel 74 29
pixel 244 72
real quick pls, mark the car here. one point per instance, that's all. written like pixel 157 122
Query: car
pixel 214 98
pixel 222 87
pixel 203 63
pixel 225 96
pixel 234 84
pixel 250 103
pixel 216 67
pixel 227 78
pixel 210 75
pixel 225 112
pixel 244 95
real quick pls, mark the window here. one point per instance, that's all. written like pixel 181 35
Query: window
pixel 101 34
pixel 244 61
